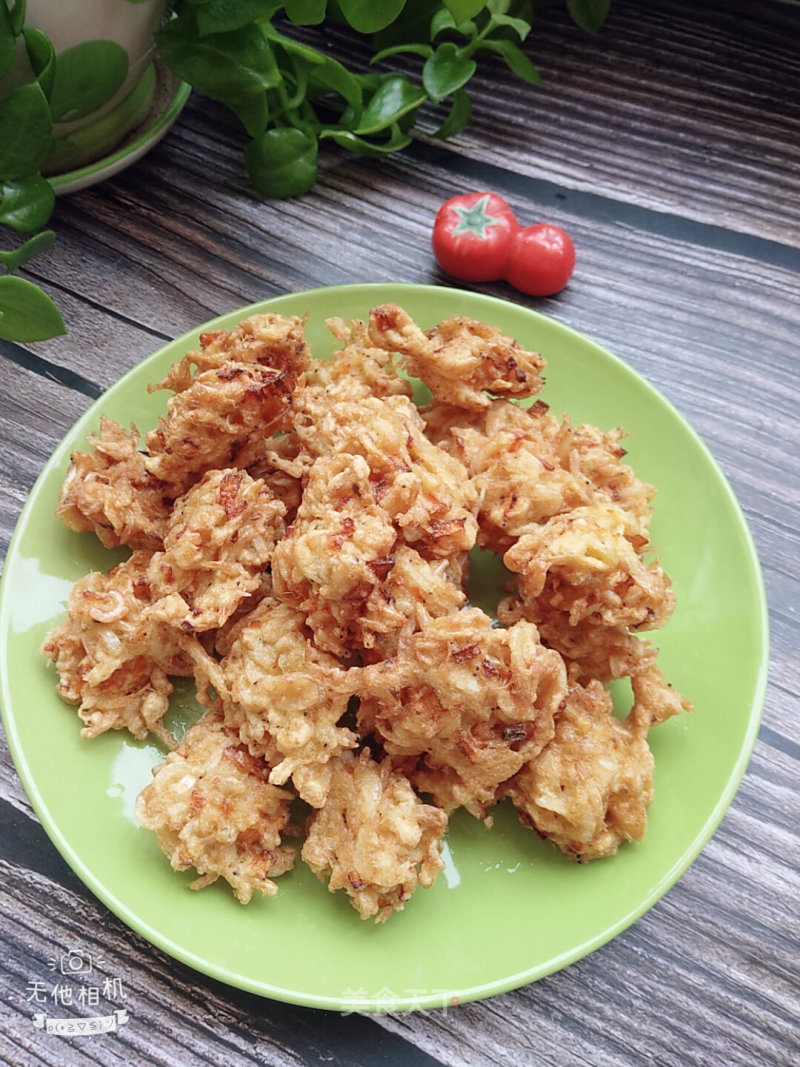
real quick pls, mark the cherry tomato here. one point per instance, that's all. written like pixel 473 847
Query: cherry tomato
pixel 472 236
pixel 541 260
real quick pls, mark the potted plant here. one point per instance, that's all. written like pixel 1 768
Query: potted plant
pixel 264 60
pixel 75 77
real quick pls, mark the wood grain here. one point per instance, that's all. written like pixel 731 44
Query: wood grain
pixel 668 146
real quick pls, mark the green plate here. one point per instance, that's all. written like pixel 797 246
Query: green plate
pixel 508 909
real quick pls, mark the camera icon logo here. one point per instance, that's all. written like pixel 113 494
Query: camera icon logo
pixel 74 962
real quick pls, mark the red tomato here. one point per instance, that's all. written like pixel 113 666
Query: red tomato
pixel 541 260
pixel 472 236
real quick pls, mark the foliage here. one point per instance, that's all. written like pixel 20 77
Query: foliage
pixel 290 95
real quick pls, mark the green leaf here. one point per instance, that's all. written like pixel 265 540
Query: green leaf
pixel 26 205
pixel 26 132
pixel 412 25
pixel 325 74
pixel 395 97
pixel 222 16
pixel 458 117
pixel 360 146
pixel 282 162
pixel 516 60
pixel 370 16
pixel 33 247
pixel 461 10
pixel 334 77
pixel 26 313
pixel 519 26
pixel 306 12
pixel 423 50
pixel 42 58
pixel 252 111
pixel 8 42
pixel 446 71
pixel 289 44
pixel 87 76
pixel 442 21
pixel 222 66
pixel 590 15
pixel 18 12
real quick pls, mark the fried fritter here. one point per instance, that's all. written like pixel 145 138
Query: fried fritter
pixel 589 789
pixel 282 466
pixel 301 536
pixel 222 419
pixel 427 493
pixel 269 340
pixel 592 650
pixel 221 536
pixel 528 467
pixel 286 698
pixel 330 562
pixel 358 368
pixel 472 701
pixel 588 563
pixel 461 360
pixel 412 591
pixel 110 491
pixel 114 654
pixel 374 837
pixel 212 808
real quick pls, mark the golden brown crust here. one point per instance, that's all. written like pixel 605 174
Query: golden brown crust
pixel 212 808
pixel 110 492
pixel 301 537
pixel 461 360
pixel 588 790
pixel 471 701
pixel 374 837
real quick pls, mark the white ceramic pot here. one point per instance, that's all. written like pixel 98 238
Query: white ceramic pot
pixel 104 80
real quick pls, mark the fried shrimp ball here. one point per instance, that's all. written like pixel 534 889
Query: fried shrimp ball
pixel 285 697
pixel 110 492
pixel 589 789
pixel 471 701
pixel 374 837
pixel 115 653
pixel 212 808
pixel 461 360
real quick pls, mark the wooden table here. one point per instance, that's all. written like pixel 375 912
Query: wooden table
pixel 669 147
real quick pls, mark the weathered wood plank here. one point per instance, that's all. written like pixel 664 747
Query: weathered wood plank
pixel 175 1016
pixel 669 147
pixel 685 107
